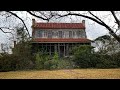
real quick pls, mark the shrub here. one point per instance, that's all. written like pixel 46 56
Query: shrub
pixel 85 58
pixel 105 61
pixel 82 56
pixel 47 64
pixel 52 64
pixel 11 62
pixel 7 62
pixel 42 61
pixel 56 56
pixel 65 64
pixel 116 58
pixel 39 62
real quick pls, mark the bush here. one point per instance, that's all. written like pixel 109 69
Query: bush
pixel 38 63
pixel 85 58
pixel 116 58
pixel 65 64
pixel 82 56
pixel 52 64
pixel 7 62
pixel 11 62
pixel 60 64
pixel 24 64
pixel 105 61
pixel 40 60
pixel 47 65
pixel 56 56
pixel 56 63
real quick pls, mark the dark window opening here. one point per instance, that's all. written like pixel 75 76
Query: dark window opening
pixel 50 34
pixel 70 34
pixel 60 34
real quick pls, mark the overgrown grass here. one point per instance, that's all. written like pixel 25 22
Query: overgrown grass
pixel 63 74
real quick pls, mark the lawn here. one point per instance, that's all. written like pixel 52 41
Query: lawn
pixel 63 74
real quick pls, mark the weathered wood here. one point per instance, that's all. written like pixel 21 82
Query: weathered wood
pixel 59 49
pixel 67 49
pixel 50 49
pixel 55 46
pixel 64 49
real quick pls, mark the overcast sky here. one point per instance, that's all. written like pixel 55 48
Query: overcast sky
pixel 93 30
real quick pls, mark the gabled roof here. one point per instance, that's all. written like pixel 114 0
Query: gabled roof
pixel 80 40
pixel 59 25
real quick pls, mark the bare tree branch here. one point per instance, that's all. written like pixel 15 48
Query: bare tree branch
pixel 95 20
pixel 47 17
pixel 117 21
pixel 6 28
pixel 37 16
pixel 5 32
pixel 96 17
pixel 75 14
pixel 21 20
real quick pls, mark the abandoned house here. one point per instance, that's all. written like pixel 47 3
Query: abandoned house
pixel 58 37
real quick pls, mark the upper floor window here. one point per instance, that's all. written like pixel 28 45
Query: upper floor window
pixel 38 33
pixel 70 34
pixel 73 33
pixel 45 33
pixel 49 34
pixel 60 34
pixel 78 33
pixel 53 34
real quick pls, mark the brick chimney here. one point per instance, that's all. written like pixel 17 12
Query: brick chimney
pixel 83 22
pixel 33 22
pixel 14 43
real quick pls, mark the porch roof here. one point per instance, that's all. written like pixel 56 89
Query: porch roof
pixel 79 40
pixel 59 26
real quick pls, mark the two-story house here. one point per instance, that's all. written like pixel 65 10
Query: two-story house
pixel 58 37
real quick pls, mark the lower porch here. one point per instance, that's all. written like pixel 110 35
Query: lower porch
pixel 63 49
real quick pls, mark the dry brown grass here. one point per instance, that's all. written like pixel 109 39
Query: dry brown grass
pixel 63 74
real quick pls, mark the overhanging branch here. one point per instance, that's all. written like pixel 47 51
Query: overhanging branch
pixel 95 20
pixel 117 21
pixel 5 32
pixel 20 19
pixel 37 16
pixel 96 17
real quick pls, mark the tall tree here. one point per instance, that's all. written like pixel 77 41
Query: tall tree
pixel 106 45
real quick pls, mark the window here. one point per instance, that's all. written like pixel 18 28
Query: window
pixel 78 34
pixel 53 34
pixel 56 34
pixel 40 33
pixel 36 34
pixel 73 34
pixel 60 34
pixel 70 34
pixel 45 33
pixel 49 34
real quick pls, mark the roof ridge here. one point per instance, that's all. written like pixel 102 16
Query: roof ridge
pixel 59 25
